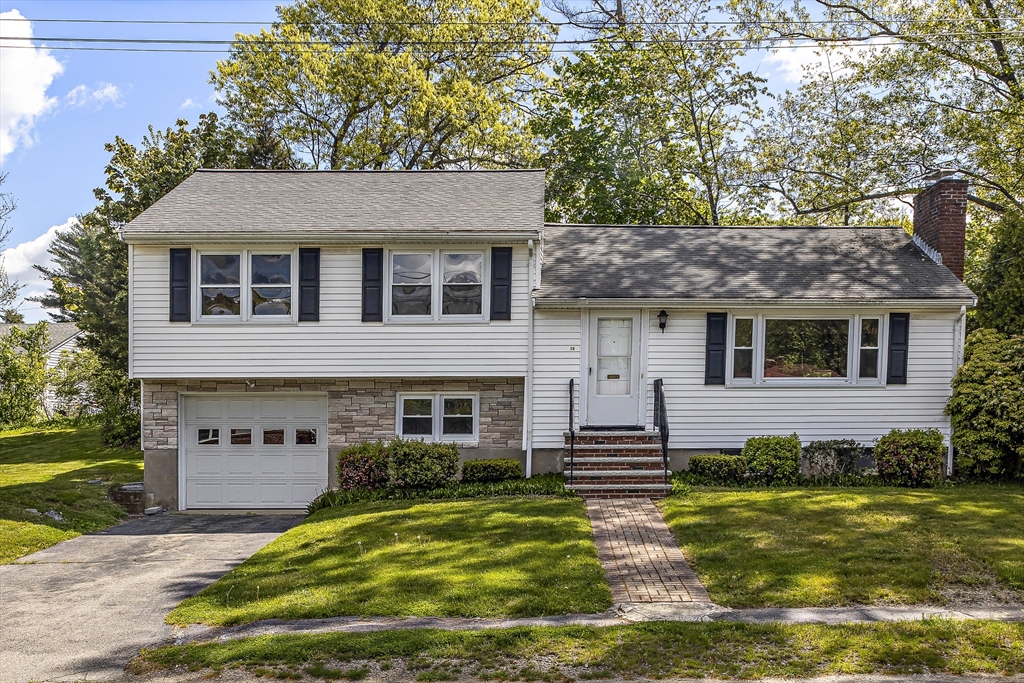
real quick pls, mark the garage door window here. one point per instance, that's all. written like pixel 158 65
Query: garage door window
pixel 273 437
pixel 438 417
pixel 305 437
pixel 241 437
pixel 209 437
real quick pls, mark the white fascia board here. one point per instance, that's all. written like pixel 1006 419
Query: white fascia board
pixel 706 304
pixel 329 238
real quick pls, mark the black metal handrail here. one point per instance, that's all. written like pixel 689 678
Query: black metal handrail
pixel 572 429
pixel 661 421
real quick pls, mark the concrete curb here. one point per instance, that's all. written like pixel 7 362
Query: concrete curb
pixel 624 613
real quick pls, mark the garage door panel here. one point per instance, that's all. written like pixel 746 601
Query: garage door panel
pixel 255 451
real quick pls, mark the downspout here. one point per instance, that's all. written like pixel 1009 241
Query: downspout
pixel 960 332
pixel 528 389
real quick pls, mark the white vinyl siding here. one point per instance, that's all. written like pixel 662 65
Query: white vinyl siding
pixel 716 416
pixel 339 345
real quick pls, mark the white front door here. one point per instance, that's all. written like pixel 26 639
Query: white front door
pixel 249 451
pixel 613 375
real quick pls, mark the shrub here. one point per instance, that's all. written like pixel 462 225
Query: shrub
pixel 833 461
pixel 773 460
pixel 486 471
pixel 987 407
pixel 912 458
pixel 718 469
pixel 420 465
pixel 363 466
pixel 538 485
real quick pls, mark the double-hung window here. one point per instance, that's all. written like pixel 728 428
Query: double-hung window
pixel 246 285
pixel 800 349
pixel 437 284
pixel 445 417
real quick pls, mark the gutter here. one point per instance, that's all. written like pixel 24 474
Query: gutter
pixel 327 236
pixel 705 304
pixel 528 388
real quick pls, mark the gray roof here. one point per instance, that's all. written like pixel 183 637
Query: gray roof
pixel 59 332
pixel 664 262
pixel 219 203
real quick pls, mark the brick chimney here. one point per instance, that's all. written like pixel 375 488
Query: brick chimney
pixel 940 221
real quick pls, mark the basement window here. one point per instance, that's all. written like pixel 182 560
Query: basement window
pixel 439 417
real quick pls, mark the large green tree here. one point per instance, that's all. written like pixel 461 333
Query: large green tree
pixel 647 127
pixel 89 276
pixel 926 86
pixel 381 84
pixel 1000 282
pixel 8 288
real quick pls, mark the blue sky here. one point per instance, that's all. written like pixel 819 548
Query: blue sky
pixel 59 107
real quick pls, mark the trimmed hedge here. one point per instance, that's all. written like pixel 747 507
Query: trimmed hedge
pixel 538 485
pixel 911 458
pixel 489 471
pixel 833 461
pixel 363 466
pixel 773 460
pixel 726 470
pixel 421 465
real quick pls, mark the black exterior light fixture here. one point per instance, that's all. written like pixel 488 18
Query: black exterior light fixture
pixel 662 319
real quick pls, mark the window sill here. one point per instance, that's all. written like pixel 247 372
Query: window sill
pixel 231 322
pixel 804 384
pixel 430 321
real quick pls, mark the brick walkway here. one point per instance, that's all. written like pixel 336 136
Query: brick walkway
pixel 639 554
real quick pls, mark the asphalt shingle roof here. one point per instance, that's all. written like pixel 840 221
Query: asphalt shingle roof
pixel 59 332
pixel 266 202
pixel 821 263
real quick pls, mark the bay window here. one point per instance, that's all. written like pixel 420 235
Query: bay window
pixel 806 350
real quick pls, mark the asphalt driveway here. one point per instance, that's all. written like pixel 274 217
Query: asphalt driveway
pixel 83 608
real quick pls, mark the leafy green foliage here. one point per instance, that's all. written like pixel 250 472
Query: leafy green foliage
pixel 1000 285
pixel 479 558
pixel 727 470
pixel 833 461
pixel 377 84
pixel 72 381
pixel 987 407
pixel 773 460
pixel 23 374
pixel 8 290
pixel 363 466
pixel 912 457
pixel 489 471
pixel 537 485
pixel 422 465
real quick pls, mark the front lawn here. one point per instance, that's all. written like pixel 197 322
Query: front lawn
pixel 48 469
pixel 654 650
pixel 844 546
pixel 475 558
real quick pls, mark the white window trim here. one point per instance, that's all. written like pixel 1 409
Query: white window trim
pixel 437 286
pixel 437 415
pixel 245 303
pixel 852 354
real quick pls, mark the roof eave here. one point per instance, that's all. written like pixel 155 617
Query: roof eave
pixel 329 238
pixel 778 302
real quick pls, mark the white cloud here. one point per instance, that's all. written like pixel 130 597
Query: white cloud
pixel 189 104
pixel 103 93
pixel 19 261
pixel 26 72
pixel 802 59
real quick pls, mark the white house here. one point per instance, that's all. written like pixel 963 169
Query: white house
pixel 63 337
pixel 278 316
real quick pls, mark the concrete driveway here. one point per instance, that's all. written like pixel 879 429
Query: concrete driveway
pixel 83 608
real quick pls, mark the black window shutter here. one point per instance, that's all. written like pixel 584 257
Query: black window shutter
pixel 714 350
pixel 181 286
pixel 501 283
pixel 373 285
pixel 309 284
pixel 899 339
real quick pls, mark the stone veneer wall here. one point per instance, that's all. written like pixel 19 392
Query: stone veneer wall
pixel 357 409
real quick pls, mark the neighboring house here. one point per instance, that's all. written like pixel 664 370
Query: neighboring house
pixel 276 317
pixel 63 337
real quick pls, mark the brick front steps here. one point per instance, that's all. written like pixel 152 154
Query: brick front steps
pixel 626 464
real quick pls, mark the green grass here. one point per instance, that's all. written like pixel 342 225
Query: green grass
pixel 660 649
pixel 821 547
pixel 480 558
pixel 47 469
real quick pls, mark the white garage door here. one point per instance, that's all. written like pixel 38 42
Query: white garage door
pixel 254 452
